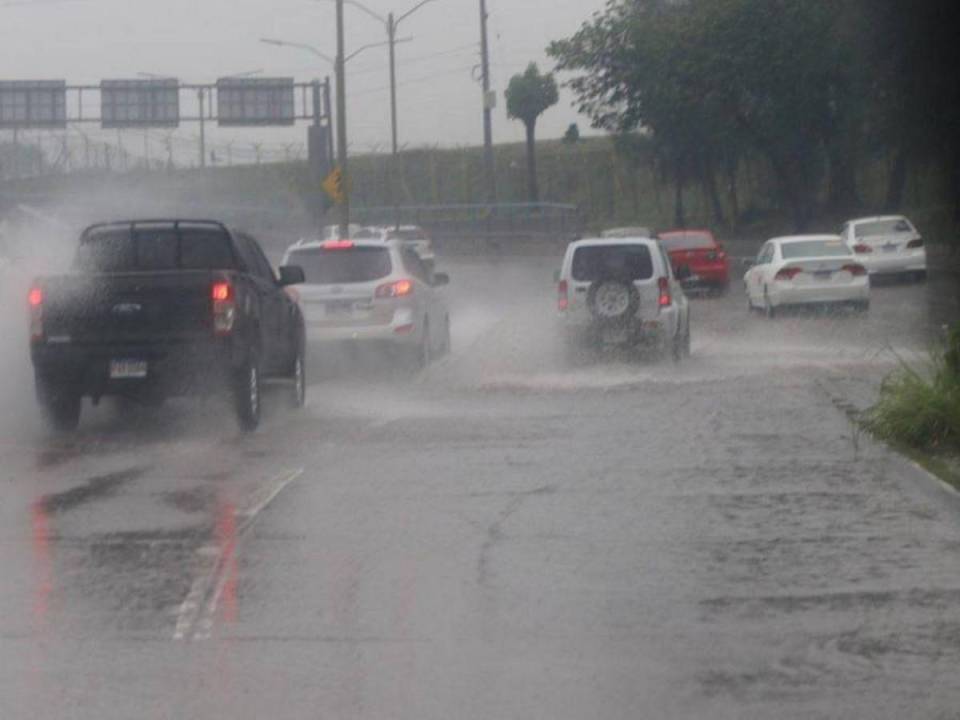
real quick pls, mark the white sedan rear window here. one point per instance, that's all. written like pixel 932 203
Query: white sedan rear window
pixel 814 248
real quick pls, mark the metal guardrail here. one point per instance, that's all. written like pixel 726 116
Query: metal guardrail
pixel 501 220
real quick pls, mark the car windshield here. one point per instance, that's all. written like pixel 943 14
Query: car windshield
pixel 814 249
pixel 342 266
pixel 687 241
pixel 896 226
pixel 602 262
pixel 143 249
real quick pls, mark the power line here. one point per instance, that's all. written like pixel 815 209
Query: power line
pixel 412 81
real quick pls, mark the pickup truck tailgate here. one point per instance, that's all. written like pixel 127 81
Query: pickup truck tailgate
pixel 140 308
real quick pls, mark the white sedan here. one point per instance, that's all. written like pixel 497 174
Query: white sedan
pixel 805 270
pixel 887 245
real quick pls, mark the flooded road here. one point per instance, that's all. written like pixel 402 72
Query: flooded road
pixel 501 536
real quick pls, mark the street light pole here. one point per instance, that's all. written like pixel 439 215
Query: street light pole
pixel 391 22
pixel 342 125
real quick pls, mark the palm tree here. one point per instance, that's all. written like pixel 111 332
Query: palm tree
pixel 528 95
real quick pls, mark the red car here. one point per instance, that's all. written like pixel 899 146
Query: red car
pixel 699 251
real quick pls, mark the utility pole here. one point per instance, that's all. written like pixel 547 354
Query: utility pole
pixel 488 168
pixel 394 157
pixel 342 126
pixel 390 22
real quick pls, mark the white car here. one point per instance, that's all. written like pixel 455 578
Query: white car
pixel 332 232
pixel 806 270
pixel 372 292
pixel 627 232
pixel 887 245
pixel 410 236
pixel 622 292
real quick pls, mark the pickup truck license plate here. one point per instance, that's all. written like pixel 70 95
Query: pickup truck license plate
pixel 823 274
pixel 128 369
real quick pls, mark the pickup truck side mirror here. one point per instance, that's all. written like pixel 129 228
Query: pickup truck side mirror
pixel 291 275
pixel 440 279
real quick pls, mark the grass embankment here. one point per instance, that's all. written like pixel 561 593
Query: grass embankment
pixel 919 411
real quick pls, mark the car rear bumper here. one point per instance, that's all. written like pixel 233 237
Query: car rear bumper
pixel 819 294
pixel 713 276
pixel 171 369
pixel 633 333
pixel 880 263
pixel 403 329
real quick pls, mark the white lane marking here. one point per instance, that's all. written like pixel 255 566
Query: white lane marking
pixel 274 488
pixel 190 607
pixel 195 618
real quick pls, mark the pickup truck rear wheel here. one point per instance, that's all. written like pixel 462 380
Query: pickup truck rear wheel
pixel 247 396
pixel 298 388
pixel 60 405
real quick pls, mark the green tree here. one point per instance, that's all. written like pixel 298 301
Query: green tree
pixel 572 135
pixel 707 76
pixel 529 95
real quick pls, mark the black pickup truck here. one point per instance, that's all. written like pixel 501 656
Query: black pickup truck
pixel 159 308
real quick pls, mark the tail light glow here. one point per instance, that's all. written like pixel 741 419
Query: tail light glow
pixel 400 288
pixel 563 296
pixel 224 307
pixel 915 243
pixel 862 249
pixel 338 245
pixel 35 301
pixel 221 291
pixel 665 299
pixel 788 273
pixel 855 270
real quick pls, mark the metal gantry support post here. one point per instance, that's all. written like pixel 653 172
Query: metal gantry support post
pixel 203 137
pixel 328 108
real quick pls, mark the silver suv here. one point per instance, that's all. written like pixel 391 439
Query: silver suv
pixel 372 292
pixel 622 292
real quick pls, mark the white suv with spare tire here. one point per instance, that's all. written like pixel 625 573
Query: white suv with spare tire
pixel 623 293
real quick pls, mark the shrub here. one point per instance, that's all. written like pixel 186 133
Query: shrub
pixel 922 409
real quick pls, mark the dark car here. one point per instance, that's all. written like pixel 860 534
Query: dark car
pixel 159 308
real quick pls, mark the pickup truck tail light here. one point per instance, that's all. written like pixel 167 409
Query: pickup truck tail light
pixel 35 302
pixel 665 299
pixel 563 296
pixel 224 307
pixel 400 288
pixel 862 249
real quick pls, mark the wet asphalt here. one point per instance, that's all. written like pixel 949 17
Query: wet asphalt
pixel 501 536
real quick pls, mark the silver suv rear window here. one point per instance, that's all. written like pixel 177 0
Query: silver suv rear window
pixel 603 262
pixel 341 266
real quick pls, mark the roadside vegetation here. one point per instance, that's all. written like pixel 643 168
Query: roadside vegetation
pixel 815 93
pixel 919 407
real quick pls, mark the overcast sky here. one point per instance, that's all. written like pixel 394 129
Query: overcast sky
pixel 84 41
